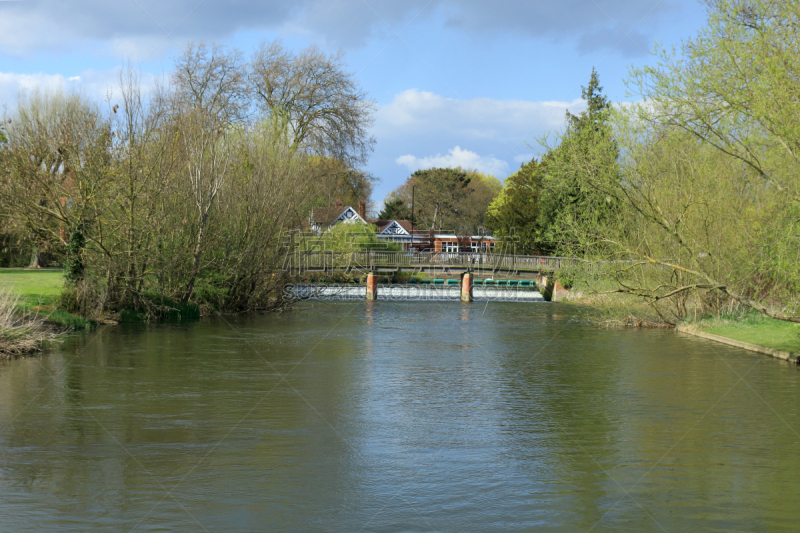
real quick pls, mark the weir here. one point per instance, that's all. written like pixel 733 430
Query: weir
pixel 417 292
pixel 474 273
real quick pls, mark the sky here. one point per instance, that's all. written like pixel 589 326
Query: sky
pixel 467 82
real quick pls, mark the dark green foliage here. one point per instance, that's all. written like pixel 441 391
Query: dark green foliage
pixel 157 307
pixel 595 117
pixel 15 250
pixel 74 266
pixel 439 198
pixel 545 202
pixel 566 204
pixel 395 209
pixel 444 199
pixel 68 320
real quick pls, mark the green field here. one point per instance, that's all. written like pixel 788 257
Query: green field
pixel 755 329
pixel 39 290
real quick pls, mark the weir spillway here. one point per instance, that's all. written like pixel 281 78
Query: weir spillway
pixel 413 292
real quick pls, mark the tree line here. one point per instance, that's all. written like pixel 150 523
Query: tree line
pixel 689 199
pixel 183 193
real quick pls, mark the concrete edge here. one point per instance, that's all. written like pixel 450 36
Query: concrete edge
pixel 779 354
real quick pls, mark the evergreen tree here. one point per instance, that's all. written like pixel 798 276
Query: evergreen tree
pixel 566 204
pixel 596 114
pixel 395 209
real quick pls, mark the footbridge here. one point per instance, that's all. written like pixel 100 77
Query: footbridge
pixel 429 262
pixel 531 273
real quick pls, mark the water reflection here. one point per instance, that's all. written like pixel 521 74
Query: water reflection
pixel 397 416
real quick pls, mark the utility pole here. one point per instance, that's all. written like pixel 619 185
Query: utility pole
pixel 412 216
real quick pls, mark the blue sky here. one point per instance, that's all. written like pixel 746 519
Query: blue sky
pixel 463 82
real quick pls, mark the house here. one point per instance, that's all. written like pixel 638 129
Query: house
pixel 395 231
pixel 463 243
pixel 399 231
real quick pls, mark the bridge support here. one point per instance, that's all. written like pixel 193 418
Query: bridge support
pixel 466 287
pixel 372 286
pixel 541 282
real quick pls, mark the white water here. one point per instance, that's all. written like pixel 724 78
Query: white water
pixel 414 292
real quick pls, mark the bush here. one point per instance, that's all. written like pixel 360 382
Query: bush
pixel 158 307
pixel 68 320
pixel 84 298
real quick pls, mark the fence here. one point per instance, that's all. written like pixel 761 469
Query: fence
pixel 371 260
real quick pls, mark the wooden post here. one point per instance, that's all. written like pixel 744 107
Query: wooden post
pixel 372 286
pixel 466 287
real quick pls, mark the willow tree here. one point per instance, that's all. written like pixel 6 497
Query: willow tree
pixel 690 224
pixel 733 88
pixel 146 194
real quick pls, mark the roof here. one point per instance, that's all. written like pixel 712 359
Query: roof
pixel 327 216
pixel 383 224
pixel 324 216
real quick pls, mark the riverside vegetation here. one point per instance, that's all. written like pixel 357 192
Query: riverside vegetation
pixel 683 205
pixel 179 199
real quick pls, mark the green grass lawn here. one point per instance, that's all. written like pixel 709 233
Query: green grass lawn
pixel 39 290
pixel 755 328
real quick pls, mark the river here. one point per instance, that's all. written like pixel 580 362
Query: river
pixel 398 416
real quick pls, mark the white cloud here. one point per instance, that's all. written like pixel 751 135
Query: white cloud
pixel 420 122
pixel 98 85
pixel 420 129
pixel 11 84
pixel 457 157
pixel 422 112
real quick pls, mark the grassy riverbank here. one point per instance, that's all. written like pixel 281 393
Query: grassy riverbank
pixel 603 307
pixel 39 292
pixel 754 328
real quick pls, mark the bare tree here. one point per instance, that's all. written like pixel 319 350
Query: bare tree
pixel 146 158
pixel 211 79
pixel 328 111
pixel 210 95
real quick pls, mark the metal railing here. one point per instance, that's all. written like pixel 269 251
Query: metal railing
pixel 368 260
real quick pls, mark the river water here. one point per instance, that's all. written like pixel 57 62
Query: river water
pixel 398 416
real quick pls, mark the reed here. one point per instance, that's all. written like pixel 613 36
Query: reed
pixel 20 334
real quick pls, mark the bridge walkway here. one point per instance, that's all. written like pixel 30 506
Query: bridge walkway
pixel 429 262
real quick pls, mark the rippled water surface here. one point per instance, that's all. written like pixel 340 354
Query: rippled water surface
pixel 398 416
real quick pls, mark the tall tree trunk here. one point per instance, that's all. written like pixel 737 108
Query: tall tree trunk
pixel 36 259
pixel 196 261
pixel 435 214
